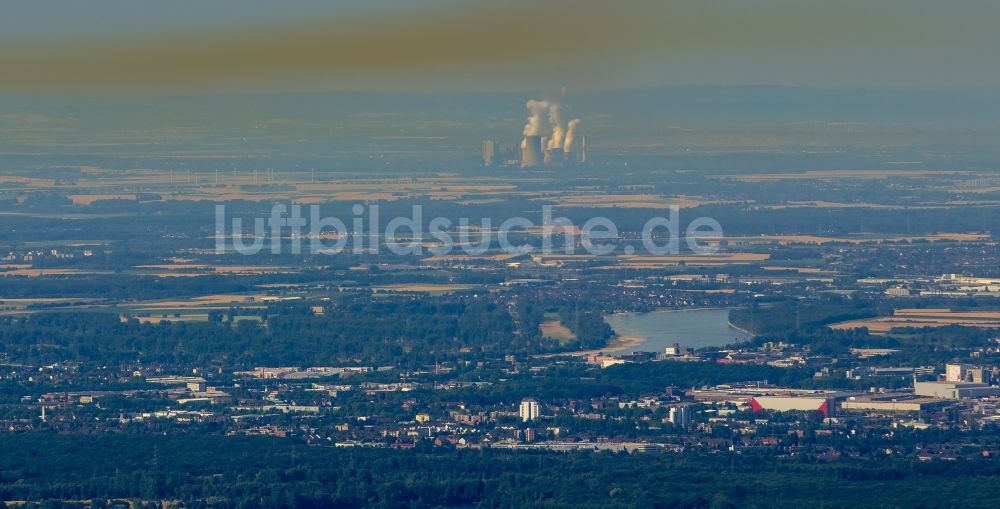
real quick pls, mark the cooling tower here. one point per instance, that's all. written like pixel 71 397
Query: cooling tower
pixel 531 155
pixel 554 157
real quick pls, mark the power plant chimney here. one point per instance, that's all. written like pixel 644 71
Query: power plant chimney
pixel 531 154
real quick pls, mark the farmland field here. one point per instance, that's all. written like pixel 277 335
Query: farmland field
pixel 923 318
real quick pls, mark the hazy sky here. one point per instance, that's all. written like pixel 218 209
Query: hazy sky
pixel 266 45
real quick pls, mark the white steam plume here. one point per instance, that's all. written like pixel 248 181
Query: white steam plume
pixel 570 135
pixel 556 141
pixel 537 110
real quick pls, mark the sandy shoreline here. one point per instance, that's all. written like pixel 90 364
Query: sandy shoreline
pixel 620 343
pixel 744 331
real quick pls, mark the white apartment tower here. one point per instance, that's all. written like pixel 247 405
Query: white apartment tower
pixel 680 416
pixel 529 410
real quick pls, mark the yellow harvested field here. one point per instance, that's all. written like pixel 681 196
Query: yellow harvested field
pixel 923 318
pixel 556 330
pixel 298 187
pixel 947 313
pixel 468 258
pixel 32 272
pixel 424 288
pixel 206 300
pixel 652 201
pixel 87 199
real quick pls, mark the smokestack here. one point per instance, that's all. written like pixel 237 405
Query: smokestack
pixel 531 151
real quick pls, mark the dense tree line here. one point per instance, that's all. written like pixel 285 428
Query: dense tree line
pixel 587 324
pixel 205 471
pixel 407 331
pixel 785 317
pixel 124 287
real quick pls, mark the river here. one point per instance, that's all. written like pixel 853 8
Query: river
pixel 693 328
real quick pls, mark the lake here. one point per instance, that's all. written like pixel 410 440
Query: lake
pixel 693 328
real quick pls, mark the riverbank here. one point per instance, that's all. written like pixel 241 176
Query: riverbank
pixel 744 331
pixel 619 344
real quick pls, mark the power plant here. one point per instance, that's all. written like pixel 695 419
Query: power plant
pixel 489 152
pixel 531 151
pixel 499 154
pixel 546 141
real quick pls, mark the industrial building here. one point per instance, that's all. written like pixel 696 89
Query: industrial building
pixel 887 372
pixel 967 373
pixel 955 390
pixel 961 381
pixel 578 151
pixel 499 154
pixel 892 403
pixel 489 152
pixel 821 404
pixel 779 399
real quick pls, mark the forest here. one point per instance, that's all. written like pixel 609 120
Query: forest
pixel 251 472
pixel 355 329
